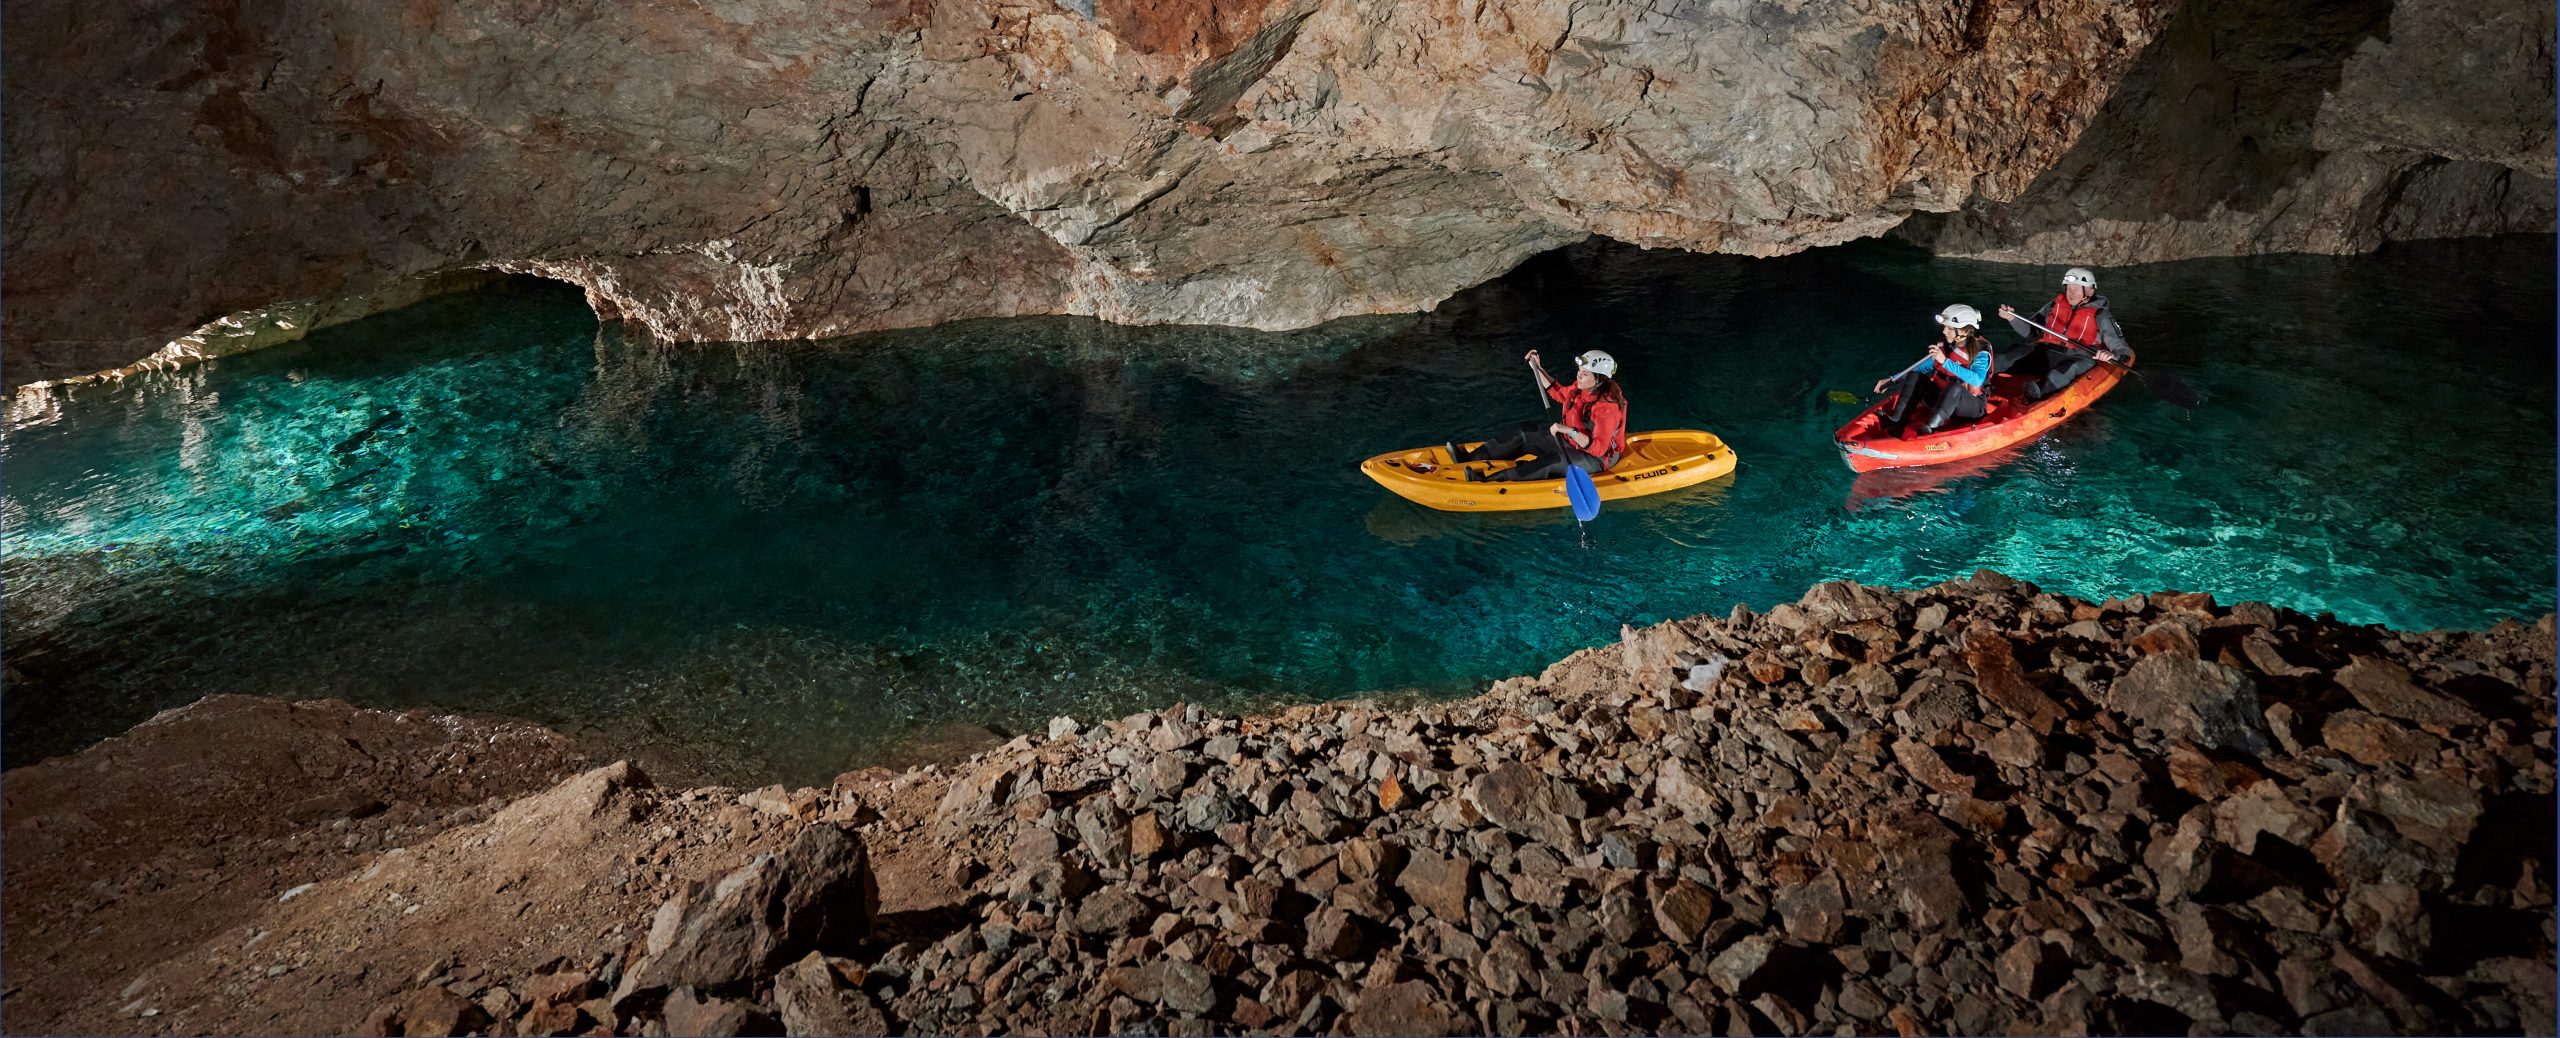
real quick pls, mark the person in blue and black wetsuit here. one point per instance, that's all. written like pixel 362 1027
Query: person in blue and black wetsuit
pixel 1947 384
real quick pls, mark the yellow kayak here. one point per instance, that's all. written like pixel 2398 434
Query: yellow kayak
pixel 1667 459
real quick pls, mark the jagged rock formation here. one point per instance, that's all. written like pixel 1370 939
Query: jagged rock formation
pixel 757 169
pixel 771 168
pixel 2260 126
pixel 1971 808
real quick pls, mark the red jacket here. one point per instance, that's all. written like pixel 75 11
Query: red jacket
pixel 1594 416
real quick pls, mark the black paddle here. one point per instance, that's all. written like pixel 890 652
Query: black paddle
pixel 2169 388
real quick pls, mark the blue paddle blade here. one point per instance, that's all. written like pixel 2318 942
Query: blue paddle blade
pixel 1585 496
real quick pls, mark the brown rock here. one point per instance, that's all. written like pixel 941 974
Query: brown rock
pixel 2208 939
pixel 1112 910
pixel 2435 813
pixel 1290 993
pixel 1682 908
pixel 2192 603
pixel 1439 884
pixel 2205 776
pixel 1507 968
pixel 1813 912
pixel 1366 859
pixel 2264 655
pixel 1745 965
pixel 2205 702
pixel 689 1014
pixel 1981 816
pixel 2361 847
pixel 2264 809
pixel 1391 794
pixel 558 1018
pixel 441 1013
pixel 1676 786
pixel 2287 909
pixel 568 988
pixel 2167 636
pixel 813 999
pixel 2017 746
pixel 1924 764
pixel 1334 935
pixel 1410 1007
pixel 2031 968
pixel 2408 998
pixel 1181 986
pixel 1146 836
pixel 2385 688
pixel 1995 673
pixel 817 895
pixel 2376 741
pixel 1524 801
pixel 2389 919
pixel 1918 879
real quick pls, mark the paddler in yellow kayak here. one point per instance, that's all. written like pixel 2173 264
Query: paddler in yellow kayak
pixel 1592 436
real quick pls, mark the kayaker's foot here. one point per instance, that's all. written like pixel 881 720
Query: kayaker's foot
pixel 1455 454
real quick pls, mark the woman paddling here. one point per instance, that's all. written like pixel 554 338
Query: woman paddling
pixel 1591 437
pixel 1948 382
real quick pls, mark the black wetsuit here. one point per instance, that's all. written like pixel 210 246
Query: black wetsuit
pixel 1554 454
pixel 1946 399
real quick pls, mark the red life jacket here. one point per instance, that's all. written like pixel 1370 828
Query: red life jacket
pixel 2078 322
pixel 1608 439
pixel 1961 353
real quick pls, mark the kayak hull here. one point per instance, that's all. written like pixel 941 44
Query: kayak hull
pixel 2008 420
pixel 1655 462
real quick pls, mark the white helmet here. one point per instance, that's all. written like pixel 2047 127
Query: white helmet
pixel 1960 316
pixel 2080 276
pixel 1598 363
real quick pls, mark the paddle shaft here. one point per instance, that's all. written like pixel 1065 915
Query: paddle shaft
pixel 2188 396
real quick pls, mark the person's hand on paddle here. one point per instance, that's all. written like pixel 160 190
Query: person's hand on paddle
pixel 2008 313
pixel 1569 434
pixel 1539 370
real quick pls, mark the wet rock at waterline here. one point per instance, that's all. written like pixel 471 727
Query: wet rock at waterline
pixel 2018 811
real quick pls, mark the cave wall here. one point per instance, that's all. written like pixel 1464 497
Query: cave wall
pixel 762 169
pixel 2261 126
pixel 775 169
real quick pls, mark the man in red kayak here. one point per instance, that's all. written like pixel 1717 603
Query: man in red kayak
pixel 2088 335
pixel 1592 436
pixel 1947 383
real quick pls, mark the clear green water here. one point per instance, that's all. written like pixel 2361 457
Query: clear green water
pixel 790 556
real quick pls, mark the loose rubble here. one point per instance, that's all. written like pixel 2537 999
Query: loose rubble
pixel 1972 808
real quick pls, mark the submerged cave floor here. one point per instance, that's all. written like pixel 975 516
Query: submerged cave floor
pixel 1969 808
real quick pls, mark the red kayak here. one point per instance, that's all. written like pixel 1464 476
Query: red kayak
pixel 2008 419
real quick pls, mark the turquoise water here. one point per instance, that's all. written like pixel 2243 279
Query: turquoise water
pixel 790 556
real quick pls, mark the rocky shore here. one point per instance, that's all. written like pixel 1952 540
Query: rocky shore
pixel 1972 808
